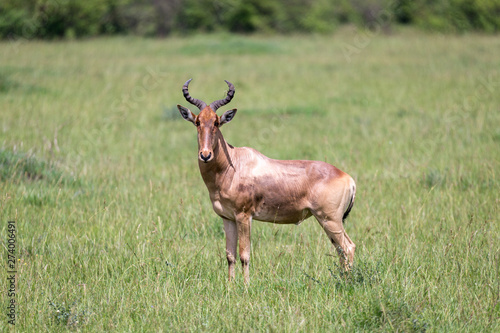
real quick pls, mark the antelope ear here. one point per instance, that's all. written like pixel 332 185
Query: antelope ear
pixel 186 113
pixel 227 116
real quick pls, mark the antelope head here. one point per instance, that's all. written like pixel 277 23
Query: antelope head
pixel 207 122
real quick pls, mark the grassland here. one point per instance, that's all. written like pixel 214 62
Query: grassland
pixel 115 230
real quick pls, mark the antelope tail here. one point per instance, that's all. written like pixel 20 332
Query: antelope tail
pixel 348 210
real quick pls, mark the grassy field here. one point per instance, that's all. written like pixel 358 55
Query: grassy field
pixel 115 230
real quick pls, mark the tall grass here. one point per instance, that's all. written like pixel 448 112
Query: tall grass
pixel 117 231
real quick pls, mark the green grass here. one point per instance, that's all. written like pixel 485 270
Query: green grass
pixel 115 230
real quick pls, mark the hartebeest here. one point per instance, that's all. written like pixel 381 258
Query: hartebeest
pixel 245 185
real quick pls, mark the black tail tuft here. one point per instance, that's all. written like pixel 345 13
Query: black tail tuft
pixel 346 214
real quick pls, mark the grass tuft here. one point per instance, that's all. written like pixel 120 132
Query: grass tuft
pixel 26 167
pixel 69 315
pixel 229 45
pixel 393 312
pixel 433 178
pixel 362 273
pixel 171 113
pixel 7 84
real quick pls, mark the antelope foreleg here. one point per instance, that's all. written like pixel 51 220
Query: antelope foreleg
pixel 231 232
pixel 244 224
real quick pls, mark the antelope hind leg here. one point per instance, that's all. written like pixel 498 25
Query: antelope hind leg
pixel 342 242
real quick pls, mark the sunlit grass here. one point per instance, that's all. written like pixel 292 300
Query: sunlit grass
pixel 115 227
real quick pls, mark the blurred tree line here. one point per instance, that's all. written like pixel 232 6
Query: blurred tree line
pixel 79 18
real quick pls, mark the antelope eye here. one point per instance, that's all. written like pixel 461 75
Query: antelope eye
pixel 197 123
pixel 216 123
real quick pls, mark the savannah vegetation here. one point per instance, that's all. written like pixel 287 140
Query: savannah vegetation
pixel 55 19
pixel 115 230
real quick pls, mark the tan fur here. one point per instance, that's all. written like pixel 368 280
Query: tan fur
pixel 244 185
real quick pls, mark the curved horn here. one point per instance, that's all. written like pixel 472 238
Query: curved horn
pixel 230 94
pixel 200 104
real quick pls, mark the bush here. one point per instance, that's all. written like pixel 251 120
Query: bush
pixel 16 18
pixel 51 18
pixel 451 15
